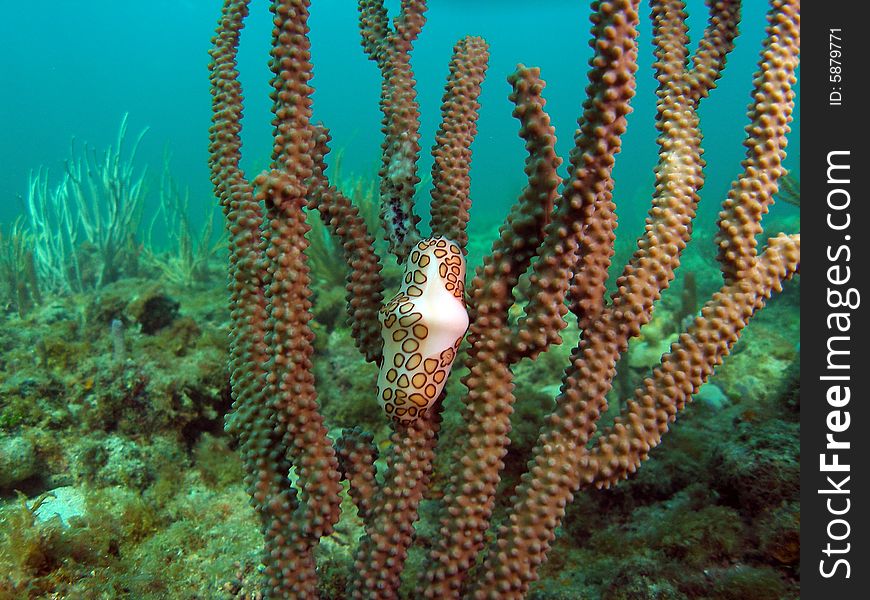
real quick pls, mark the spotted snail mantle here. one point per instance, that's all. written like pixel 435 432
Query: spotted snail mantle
pixel 423 325
pixel 560 234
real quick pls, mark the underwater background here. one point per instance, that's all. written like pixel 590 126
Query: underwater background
pixel 116 478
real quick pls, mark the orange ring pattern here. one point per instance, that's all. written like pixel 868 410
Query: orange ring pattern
pixel 410 381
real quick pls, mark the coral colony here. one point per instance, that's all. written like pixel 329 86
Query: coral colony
pixel 559 231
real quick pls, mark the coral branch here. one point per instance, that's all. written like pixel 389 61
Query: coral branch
pixel 752 194
pixel 563 242
pixel 451 183
pixel 586 192
pixel 363 267
pixel 401 122
pixel 488 406
pixel 713 49
pixel 690 362
pixel 356 455
pixel 382 552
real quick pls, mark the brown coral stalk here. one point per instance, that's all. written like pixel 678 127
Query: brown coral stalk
pixel 470 498
pixel 391 50
pixel 451 181
pixel 260 446
pixel 565 243
pixel 586 192
pixel 561 462
pixel 357 454
pixel 381 555
pixel 753 192
pixel 364 285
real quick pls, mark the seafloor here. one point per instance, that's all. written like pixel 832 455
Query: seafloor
pixel 117 480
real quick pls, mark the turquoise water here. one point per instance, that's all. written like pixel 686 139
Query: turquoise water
pixel 76 68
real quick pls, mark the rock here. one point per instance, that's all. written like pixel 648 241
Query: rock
pixel 760 469
pixel 713 396
pixel 63 502
pixel 18 461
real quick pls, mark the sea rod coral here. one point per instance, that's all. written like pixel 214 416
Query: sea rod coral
pixel 559 231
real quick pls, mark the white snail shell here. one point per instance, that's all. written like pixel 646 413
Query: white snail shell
pixel 422 327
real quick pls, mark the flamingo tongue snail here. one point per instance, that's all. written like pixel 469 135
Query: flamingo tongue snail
pixel 422 326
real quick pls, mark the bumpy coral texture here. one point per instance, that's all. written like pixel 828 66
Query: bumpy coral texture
pixel 423 326
pixel 560 234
